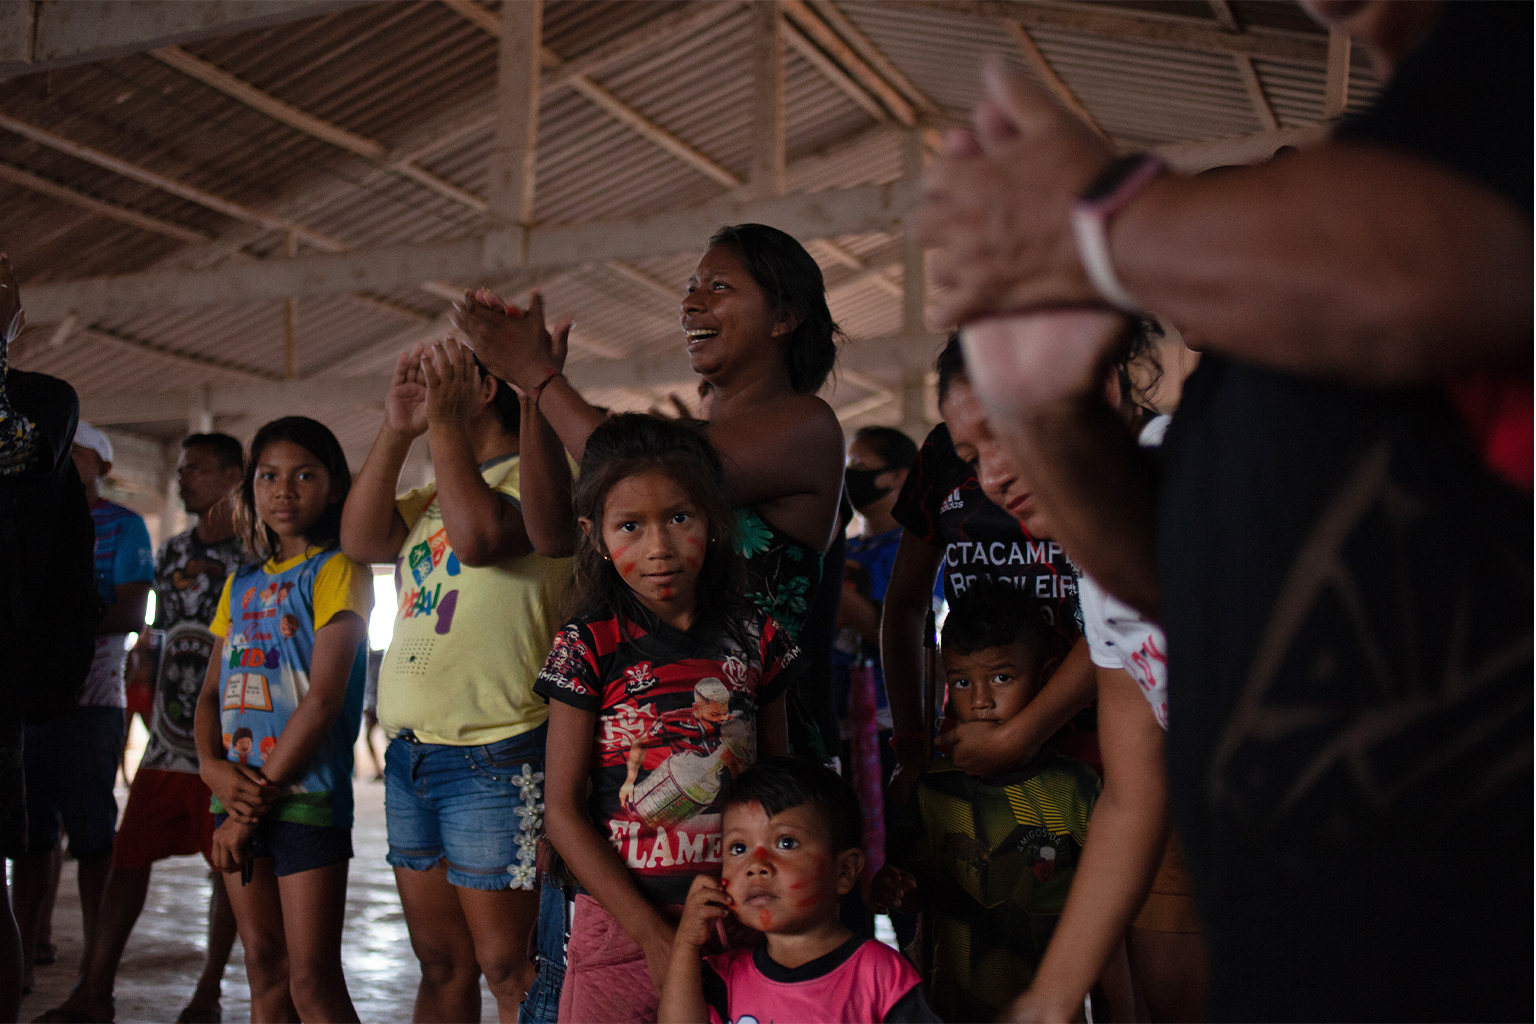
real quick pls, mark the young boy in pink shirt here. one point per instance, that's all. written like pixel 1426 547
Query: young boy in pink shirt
pixel 792 848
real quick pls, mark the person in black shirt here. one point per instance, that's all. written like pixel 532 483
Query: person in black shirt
pixel 1342 553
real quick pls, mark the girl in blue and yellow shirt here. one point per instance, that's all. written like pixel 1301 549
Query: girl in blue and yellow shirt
pixel 277 719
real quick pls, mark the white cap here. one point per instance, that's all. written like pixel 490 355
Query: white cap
pixel 87 436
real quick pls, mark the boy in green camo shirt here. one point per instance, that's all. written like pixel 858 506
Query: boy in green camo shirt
pixel 992 858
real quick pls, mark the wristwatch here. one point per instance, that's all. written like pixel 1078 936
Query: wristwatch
pixel 1110 192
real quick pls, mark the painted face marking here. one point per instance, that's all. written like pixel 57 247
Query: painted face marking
pixel 626 568
pixel 760 854
pixel 764 920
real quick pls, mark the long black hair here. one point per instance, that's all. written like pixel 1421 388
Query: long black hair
pixel 314 437
pixel 793 282
pixel 632 443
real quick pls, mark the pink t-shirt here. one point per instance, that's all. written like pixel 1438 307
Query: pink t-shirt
pixel 858 982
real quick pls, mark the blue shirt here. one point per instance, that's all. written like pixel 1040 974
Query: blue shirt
pixel 123 551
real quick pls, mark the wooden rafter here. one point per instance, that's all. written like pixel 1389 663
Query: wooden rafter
pixel 834 46
pixel 1246 72
pixel 1110 22
pixel 144 221
pixel 1336 88
pixel 316 127
pixel 187 359
pixel 166 183
pixel 1048 76
pixel 876 58
pixel 608 102
pixel 279 110
pixel 834 73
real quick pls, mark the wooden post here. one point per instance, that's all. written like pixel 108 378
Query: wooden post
pixel 514 150
pixel 913 273
pixel 1336 89
pixel 767 175
pixel 290 312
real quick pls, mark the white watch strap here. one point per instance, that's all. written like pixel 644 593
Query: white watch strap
pixel 1089 226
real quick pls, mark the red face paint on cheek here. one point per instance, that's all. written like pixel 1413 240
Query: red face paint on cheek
pixel 809 901
pixel 625 568
pixel 797 885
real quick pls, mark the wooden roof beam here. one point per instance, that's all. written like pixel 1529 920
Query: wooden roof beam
pixel 1047 75
pixel 1249 75
pixel 1110 22
pixel 822 34
pixel 1336 87
pixel 143 221
pixel 550 248
pixel 607 101
pixel 166 183
pixel 465 118
pixel 42 36
pixel 315 127
pixel 872 54
pixel 833 72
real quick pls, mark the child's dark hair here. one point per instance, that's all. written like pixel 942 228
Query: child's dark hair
pixel 225 448
pixel 626 445
pixel 780 783
pixel 317 439
pixel 504 404
pixel 792 279
pixel 992 614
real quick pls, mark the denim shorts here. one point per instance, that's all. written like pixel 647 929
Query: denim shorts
pixel 295 847
pixel 479 808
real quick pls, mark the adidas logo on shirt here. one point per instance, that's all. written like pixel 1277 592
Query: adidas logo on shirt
pixel 952 502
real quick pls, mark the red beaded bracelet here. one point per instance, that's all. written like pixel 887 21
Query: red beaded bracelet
pixel 538 390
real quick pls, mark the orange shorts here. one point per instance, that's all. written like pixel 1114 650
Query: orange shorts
pixel 1170 906
pixel 166 816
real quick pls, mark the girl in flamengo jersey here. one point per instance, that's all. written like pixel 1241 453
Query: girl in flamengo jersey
pixel 286 676
pixel 664 686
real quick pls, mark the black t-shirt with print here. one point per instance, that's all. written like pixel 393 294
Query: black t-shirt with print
pixel 942 503
pixel 676 720
pixel 1346 593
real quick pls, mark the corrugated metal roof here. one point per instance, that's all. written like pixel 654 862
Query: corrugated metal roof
pixel 384 70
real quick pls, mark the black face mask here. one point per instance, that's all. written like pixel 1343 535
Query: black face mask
pixel 862 489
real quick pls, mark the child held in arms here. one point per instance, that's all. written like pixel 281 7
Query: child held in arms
pixel 792 843
pixel 991 857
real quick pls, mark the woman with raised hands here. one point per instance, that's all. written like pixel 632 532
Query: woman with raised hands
pixel 758 330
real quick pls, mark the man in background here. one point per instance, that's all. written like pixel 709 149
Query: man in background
pixel 167 813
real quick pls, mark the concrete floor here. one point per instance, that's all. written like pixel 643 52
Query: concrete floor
pixel 165 954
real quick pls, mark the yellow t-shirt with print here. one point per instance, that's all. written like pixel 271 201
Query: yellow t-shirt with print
pixel 469 641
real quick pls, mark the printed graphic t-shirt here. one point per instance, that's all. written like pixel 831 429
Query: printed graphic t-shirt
pixel 676 719
pixel 123 555
pixel 268 617
pixel 469 641
pixel 859 982
pixel 996 857
pixel 189 578
pixel 943 504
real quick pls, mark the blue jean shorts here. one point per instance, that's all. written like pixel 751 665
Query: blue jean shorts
pixel 479 808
